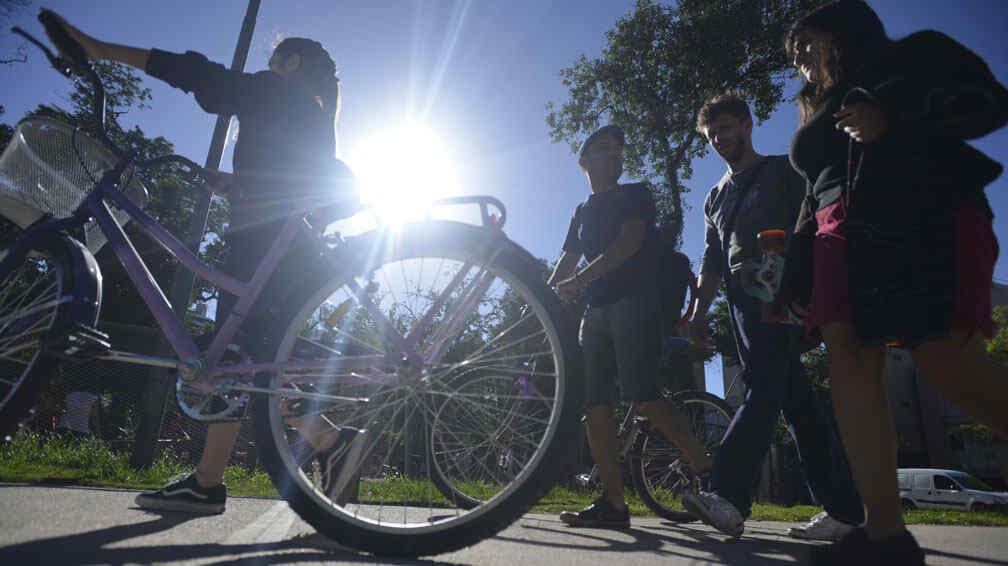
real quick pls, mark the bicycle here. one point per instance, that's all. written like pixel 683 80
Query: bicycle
pixel 379 332
pixel 657 469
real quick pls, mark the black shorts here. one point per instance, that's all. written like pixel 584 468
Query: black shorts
pixel 621 344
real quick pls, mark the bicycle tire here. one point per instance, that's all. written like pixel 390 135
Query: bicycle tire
pixel 654 459
pixel 25 365
pixel 438 529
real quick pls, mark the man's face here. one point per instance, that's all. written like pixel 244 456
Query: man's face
pixel 730 136
pixel 603 158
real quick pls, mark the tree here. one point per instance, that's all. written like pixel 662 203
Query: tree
pixel 660 64
pixel 997 346
pixel 8 8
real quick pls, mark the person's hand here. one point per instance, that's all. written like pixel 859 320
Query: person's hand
pixel 92 47
pixel 863 121
pixel 569 288
pixel 700 333
pixel 218 181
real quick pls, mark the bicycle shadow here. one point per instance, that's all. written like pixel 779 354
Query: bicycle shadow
pixel 705 545
pixel 96 547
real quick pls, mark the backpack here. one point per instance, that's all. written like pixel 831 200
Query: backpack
pixel 674 278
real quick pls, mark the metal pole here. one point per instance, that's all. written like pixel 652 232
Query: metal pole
pixel 158 387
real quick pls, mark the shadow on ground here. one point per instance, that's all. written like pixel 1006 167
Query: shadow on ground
pixel 93 547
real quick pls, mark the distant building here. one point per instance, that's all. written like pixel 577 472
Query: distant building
pixel 928 426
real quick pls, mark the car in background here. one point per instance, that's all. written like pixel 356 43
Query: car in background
pixel 929 488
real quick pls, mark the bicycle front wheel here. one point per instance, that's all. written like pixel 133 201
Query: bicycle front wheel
pixel 657 466
pixel 32 298
pixel 445 407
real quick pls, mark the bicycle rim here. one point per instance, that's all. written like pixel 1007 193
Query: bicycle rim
pixel 437 419
pixel 31 296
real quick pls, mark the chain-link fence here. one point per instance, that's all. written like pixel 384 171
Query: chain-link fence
pixel 103 399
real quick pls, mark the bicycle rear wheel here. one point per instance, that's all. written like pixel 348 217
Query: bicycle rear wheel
pixel 32 299
pixel 657 465
pixel 446 348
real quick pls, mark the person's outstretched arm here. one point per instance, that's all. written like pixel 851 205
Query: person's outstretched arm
pixel 103 51
pixel 218 90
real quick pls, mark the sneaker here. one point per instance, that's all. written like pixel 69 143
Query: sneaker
pixel 856 548
pixel 339 466
pixel 183 493
pixel 821 527
pixel 600 514
pixel 716 511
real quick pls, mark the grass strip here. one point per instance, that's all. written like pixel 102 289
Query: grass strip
pixel 36 458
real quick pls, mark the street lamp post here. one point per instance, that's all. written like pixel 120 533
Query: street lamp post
pixel 159 386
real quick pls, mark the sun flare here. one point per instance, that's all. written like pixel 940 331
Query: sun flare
pixel 400 172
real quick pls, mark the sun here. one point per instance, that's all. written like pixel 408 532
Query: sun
pixel 401 171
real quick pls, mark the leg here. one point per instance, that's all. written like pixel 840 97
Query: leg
pixel 220 439
pixel 740 455
pixel 597 348
pixel 959 368
pixel 676 427
pixel 866 426
pixel 602 441
pixel 820 451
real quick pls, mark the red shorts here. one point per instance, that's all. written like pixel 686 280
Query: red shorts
pixel 976 252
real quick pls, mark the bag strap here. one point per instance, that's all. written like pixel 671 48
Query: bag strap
pixel 730 224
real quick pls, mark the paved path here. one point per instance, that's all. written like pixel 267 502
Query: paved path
pixel 66 525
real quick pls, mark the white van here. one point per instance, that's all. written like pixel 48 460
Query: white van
pixel 928 488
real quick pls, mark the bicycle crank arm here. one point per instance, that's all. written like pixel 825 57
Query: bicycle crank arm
pixel 139 359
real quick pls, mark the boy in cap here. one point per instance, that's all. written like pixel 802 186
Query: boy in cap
pixel 621 330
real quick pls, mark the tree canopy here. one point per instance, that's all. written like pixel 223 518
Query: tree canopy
pixel 660 64
pixel 172 197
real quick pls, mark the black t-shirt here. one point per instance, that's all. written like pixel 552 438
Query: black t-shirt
pixel 286 142
pixel 597 223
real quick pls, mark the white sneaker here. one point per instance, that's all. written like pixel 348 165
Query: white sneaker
pixel 716 511
pixel 821 527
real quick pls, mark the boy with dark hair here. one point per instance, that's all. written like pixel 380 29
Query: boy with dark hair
pixel 759 193
pixel 621 330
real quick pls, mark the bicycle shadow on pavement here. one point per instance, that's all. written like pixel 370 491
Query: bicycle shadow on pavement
pixel 92 547
pixel 696 543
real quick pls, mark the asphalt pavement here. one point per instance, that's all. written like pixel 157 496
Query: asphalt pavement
pixel 71 525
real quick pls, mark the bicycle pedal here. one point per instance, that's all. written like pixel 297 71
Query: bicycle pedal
pixel 80 341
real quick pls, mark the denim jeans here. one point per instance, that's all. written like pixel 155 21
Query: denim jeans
pixel 777 382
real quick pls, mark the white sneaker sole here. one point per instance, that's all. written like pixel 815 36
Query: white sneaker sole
pixel 700 512
pixel 802 534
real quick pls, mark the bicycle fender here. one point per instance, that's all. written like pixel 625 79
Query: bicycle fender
pixel 86 295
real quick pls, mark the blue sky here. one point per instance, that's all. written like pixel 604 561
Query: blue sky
pixel 479 74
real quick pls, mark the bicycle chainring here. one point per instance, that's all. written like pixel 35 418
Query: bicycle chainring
pixel 220 405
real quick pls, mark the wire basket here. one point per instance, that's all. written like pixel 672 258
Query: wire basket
pixel 49 167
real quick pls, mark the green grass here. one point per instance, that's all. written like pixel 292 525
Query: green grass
pixel 34 458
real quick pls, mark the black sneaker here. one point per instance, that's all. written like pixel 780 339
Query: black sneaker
pixel 340 465
pixel 856 548
pixel 183 493
pixel 600 514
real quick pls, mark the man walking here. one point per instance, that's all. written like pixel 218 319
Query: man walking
pixel 759 193
pixel 621 330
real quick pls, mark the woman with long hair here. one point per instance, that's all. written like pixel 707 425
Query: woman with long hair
pixel 903 248
pixel 284 164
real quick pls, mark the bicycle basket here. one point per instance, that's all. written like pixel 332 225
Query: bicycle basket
pixel 48 168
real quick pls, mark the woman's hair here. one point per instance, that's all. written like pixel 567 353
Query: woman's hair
pixel 855 37
pixel 317 70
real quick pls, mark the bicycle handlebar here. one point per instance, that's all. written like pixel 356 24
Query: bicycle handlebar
pixel 77 64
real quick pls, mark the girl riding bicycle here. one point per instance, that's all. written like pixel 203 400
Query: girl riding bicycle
pixel 284 155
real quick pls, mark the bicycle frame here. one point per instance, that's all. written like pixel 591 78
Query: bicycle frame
pixel 199 371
